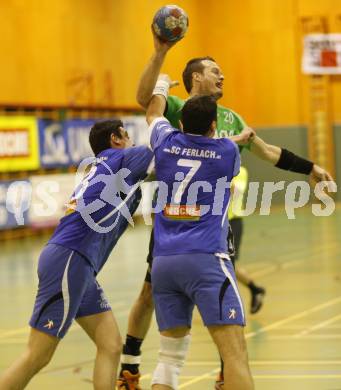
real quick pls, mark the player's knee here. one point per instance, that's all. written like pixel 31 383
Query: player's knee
pixel 37 360
pixel 146 296
pixel 171 358
pixel 236 351
pixel 111 346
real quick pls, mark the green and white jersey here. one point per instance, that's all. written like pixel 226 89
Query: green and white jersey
pixel 229 122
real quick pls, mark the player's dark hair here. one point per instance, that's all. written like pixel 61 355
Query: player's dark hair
pixel 194 65
pixel 198 113
pixel 101 132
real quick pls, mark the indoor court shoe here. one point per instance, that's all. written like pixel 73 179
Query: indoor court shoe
pixel 257 297
pixel 219 384
pixel 128 381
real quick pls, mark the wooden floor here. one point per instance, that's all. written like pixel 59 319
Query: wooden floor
pixel 294 342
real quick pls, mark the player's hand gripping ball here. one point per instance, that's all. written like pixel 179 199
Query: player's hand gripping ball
pixel 170 23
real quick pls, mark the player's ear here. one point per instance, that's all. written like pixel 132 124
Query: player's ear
pixel 213 128
pixel 115 141
pixel 196 76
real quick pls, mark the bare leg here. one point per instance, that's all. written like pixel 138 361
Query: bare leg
pixel 141 313
pixel 242 276
pixel 231 344
pixel 39 351
pixel 104 332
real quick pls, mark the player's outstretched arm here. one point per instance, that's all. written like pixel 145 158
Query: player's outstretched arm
pixel 156 108
pixel 284 159
pixel 157 104
pixel 152 71
pixel 245 137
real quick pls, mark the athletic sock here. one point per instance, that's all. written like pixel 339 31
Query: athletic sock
pixel 130 359
pixel 254 289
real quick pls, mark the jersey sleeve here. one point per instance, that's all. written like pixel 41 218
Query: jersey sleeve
pixel 241 125
pixel 137 159
pixel 173 110
pixel 159 129
pixel 236 167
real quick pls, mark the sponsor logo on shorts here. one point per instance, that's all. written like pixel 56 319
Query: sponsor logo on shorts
pixel 103 302
pixel 49 324
pixel 232 314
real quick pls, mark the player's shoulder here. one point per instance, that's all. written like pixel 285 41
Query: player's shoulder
pixel 176 100
pixel 109 154
pixel 141 149
pixel 228 111
pixel 162 125
pixel 226 143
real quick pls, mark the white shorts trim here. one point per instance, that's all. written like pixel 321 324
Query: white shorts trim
pixel 66 294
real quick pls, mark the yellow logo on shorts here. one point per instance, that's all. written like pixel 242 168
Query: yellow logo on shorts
pixel 49 324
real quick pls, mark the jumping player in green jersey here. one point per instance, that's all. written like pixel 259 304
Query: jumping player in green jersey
pixel 202 76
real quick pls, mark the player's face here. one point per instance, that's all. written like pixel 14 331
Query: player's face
pixel 212 79
pixel 123 142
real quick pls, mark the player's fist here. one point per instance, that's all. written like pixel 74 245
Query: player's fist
pixel 320 174
pixel 160 46
pixel 245 137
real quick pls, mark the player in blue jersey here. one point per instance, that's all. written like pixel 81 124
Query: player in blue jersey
pixel 200 76
pixel 191 263
pixel 98 214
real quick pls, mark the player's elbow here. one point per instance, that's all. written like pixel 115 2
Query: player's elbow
pixel 150 116
pixel 142 100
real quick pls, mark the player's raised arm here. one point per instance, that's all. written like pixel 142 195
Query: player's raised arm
pixel 284 159
pixel 157 104
pixel 152 71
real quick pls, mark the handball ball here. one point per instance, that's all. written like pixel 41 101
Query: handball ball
pixel 170 23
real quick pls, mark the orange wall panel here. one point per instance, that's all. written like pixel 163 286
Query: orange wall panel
pixel 257 43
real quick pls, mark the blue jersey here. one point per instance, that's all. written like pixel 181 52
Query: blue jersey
pixel 103 204
pixel 194 174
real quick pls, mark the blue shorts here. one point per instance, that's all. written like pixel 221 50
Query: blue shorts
pixel 67 289
pixel 208 281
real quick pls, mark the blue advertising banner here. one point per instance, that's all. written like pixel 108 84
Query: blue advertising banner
pixel 137 129
pixel 15 197
pixel 52 144
pixel 77 138
pixel 64 143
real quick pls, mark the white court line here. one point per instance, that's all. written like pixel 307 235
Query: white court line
pixel 282 264
pixel 273 363
pixel 266 376
pixel 318 326
pixel 264 329
pixel 294 317
pixel 198 379
pixel 306 376
pixel 307 337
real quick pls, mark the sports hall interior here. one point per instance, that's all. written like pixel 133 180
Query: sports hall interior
pixel 70 60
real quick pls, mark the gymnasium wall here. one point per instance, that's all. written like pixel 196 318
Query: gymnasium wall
pixel 47 46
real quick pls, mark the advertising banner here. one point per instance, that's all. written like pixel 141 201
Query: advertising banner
pixel 77 138
pixel 14 203
pixel 50 194
pixel 322 54
pixel 137 129
pixel 52 144
pixel 18 144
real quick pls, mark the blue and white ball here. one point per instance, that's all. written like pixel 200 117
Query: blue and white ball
pixel 170 23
